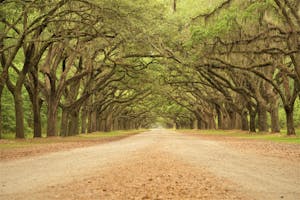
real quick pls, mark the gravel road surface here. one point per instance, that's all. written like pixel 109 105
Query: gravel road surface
pixel 159 164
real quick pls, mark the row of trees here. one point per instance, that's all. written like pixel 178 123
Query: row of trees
pixel 242 61
pixel 77 66
pixel 78 59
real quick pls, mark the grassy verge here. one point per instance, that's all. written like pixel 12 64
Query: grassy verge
pixel 246 135
pixel 9 141
pixel 110 134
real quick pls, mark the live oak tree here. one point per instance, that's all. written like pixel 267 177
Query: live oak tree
pixel 225 45
pixel 107 65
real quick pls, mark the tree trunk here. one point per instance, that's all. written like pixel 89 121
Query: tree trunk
pixel 108 123
pixel 199 122
pixel 83 120
pixel 73 125
pixel 212 123
pixel 226 122
pixel 19 112
pixel 123 124
pixel 64 123
pixel 252 121
pixel 36 103
pixel 195 124
pixel 289 111
pixel 89 124
pixel 94 121
pixel 36 108
pixel 204 125
pixel 102 124
pixel 232 117
pixel 177 126
pixel 1 90
pixel 191 124
pixel 115 124
pixel 275 128
pixel 51 118
pixel 128 125
pixel 244 120
pixel 238 121
pixel 262 119
pixel 219 118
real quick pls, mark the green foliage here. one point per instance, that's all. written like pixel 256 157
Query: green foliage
pixel 221 26
pixel 160 57
pixel 229 20
pixel 254 11
pixel 8 112
pixel 297 113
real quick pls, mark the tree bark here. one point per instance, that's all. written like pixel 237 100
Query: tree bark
pixel 220 117
pixel 115 124
pixel 73 125
pixel 51 118
pixel 226 121
pixel 289 111
pixel 252 121
pixel 244 120
pixel 36 102
pixel 89 124
pixel 232 117
pixel 94 121
pixel 36 108
pixel 177 126
pixel 108 123
pixel 64 123
pixel 16 91
pixel 123 124
pixel 275 128
pixel 83 120
pixel 174 6
pixel 19 112
pixel 262 118
pixel 238 121
pixel 212 123
pixel 204 125
pixel 199 121
pixel 1 90
pixel 195 124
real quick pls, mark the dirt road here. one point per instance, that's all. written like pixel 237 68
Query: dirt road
pixel 158 164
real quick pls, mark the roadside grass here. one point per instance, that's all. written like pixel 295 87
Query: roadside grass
pixel 97 135
pixel 8 141
pixel 275 137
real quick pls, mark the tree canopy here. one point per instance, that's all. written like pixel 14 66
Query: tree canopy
pixel 80 66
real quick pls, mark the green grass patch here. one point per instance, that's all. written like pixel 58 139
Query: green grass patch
pixel 10 142
pixel 278 137
pixel 110 134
